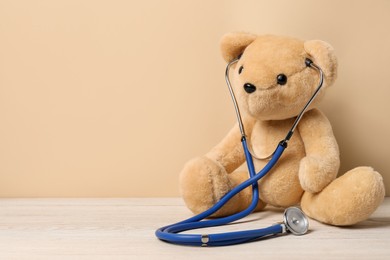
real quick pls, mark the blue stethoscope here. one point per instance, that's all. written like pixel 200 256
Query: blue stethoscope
pixel 294 220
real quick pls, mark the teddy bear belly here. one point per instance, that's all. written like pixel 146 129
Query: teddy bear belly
pixel 280 187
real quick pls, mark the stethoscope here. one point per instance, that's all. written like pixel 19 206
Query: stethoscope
pixel 294 220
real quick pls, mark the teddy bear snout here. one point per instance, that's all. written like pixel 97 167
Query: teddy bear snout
pixel 249 88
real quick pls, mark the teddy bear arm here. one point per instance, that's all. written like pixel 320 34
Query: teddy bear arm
pixel 322 160
pixel 229 152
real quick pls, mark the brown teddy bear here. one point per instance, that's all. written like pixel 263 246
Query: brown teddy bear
pixel 272 84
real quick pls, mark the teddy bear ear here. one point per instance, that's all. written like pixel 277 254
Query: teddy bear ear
pixel 322 54
pixel 234 44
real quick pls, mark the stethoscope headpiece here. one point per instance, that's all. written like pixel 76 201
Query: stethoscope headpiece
pixel 295 221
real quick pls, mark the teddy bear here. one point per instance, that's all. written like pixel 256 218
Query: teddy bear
pixel 272 84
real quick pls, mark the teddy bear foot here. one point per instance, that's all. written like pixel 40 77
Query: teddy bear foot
pixel 204 182
pixel 349 199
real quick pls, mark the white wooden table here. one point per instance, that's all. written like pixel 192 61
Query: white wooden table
pixel 124 229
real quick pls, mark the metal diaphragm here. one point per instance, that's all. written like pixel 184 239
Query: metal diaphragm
pixel 295 220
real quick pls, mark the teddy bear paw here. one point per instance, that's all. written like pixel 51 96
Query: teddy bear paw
pixel 315 175
pixel 203 182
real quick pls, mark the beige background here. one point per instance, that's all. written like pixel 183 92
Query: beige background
pixel 111 98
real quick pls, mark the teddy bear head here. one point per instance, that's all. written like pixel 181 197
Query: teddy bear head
pixel 271 79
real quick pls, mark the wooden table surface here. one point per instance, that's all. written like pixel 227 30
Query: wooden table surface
pixel 124 229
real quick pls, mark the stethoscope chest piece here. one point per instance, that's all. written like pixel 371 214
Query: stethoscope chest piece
pixel 295 221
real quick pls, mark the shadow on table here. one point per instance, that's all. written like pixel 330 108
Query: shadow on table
pixel 370 223
pixel 373 222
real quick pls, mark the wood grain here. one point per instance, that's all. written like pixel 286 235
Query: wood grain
pixel 124 229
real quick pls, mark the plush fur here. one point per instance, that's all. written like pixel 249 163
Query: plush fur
pixel 306 173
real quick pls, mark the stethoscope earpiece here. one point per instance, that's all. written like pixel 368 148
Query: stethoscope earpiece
pixel 308 62
pixel 295 221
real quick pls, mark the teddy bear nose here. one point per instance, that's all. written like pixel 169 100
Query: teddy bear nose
pixel 249 88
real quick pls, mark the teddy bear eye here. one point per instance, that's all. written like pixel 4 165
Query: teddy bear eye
pixel 240 69
pixel 281 79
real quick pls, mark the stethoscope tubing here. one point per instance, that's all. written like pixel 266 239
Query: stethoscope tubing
pixel 170 233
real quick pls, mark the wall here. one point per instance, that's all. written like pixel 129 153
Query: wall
pixel 111 98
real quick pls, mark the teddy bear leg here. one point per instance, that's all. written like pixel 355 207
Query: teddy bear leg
pixel 349 199
pixel 204 182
